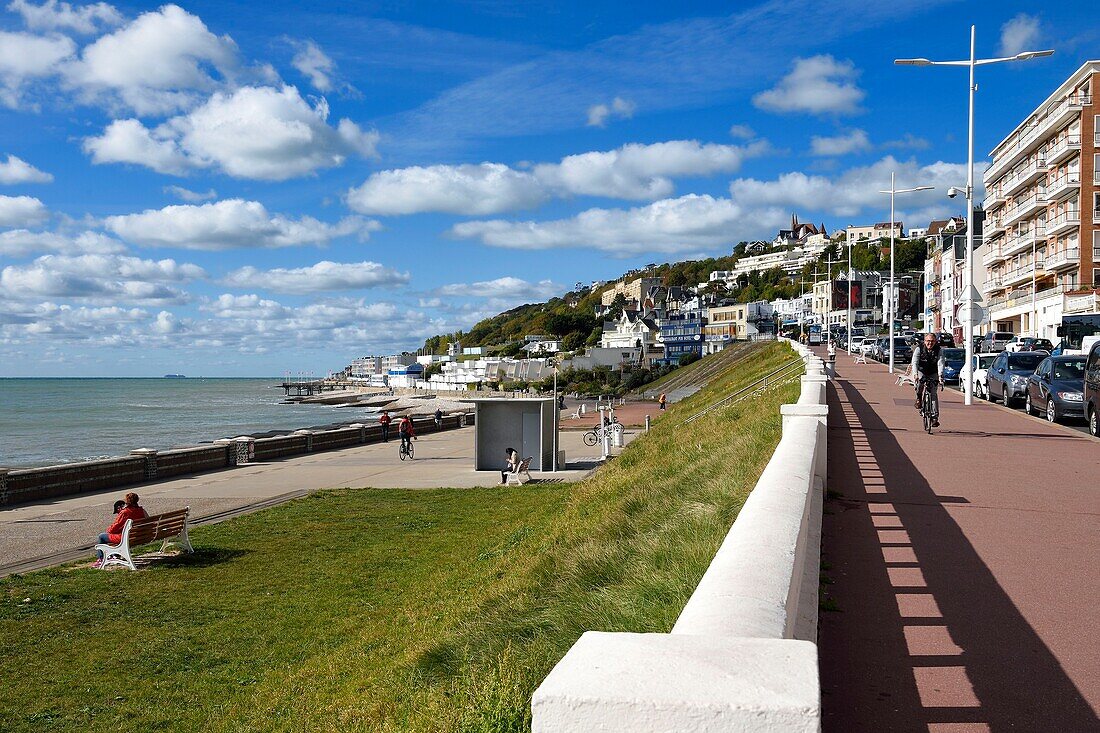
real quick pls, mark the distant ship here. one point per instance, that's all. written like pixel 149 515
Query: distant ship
pixel 175 376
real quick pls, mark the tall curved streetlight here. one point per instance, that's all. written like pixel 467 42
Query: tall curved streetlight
pixel 968 278
pixel 893 286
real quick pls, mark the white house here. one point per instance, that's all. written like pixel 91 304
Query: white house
pixel 632 329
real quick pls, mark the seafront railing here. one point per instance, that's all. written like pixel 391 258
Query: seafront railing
pixel 18 486
pixel 742 655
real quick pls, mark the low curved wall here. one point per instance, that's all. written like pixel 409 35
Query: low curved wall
pixel 742 655
pixel 35 484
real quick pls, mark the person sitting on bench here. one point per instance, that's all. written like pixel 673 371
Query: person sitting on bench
pixel 113 535
pixel 511 466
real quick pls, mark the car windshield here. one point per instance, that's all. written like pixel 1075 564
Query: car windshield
pixel 985 361
pixel 954 354
pixel 1021 362
pixel 1069 369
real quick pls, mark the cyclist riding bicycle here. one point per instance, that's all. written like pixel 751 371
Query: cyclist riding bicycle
pixel 927 367
pixel 405 430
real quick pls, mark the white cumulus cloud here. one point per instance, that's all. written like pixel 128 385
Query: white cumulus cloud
pixel 53 15
pixel 686 224
pixel 633 171
pixel 192 197
pixel 25 56
pixel 599 114
pixel 17 170
pixel 253 132
pixel 1020 34
pixel 321 277
pixel 21 211
pixel 315 65
pixel 229 224
pixel 100 277
pixel 818 85
pixel 160 62
pixel 487 188
pixel 129 141
pixel 508 287
pixel 857 189
pixel 22 242
pixel 855 141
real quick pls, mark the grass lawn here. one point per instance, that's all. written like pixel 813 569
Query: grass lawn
pixel 364 610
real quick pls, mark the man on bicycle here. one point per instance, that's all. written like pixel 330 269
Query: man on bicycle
pixel 405 430
pixel 927 367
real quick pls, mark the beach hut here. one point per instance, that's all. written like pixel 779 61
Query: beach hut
pixel 528 424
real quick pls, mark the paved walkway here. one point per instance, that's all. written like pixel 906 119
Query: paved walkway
pixel 67 527
pixel 963 566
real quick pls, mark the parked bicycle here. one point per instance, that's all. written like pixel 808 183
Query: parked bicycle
pixel 596 434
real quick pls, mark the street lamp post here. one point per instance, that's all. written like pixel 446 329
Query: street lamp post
pixel 968 279
pixel 893 285
pixel 848 241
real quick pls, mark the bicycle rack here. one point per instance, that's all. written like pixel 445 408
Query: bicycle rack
pixel 780 376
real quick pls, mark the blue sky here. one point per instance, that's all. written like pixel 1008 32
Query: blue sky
pixel 226 188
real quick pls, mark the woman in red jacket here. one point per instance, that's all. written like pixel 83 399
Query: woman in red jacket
pixel 113 535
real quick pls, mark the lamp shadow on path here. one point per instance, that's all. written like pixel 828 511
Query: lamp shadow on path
pixel 924 638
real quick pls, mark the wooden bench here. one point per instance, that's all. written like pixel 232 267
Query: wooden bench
pixel 166 527
pixel 523 469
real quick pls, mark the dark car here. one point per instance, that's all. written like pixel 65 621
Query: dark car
pixel 1092 389
pixel 1008 376
pixel 1056 388
pixel 953 360
pixel 903 352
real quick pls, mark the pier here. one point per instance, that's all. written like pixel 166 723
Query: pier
pixel 308 389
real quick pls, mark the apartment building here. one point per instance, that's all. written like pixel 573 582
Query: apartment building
pixel 1042 227
pixel 632 290
pixel 875 231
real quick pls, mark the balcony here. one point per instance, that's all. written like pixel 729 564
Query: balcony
pixel 1065 222
pixel 993 226
pixel 992 283
pixel 1029 136
pixel 1025 207
pixel 1064 148
pixel 1062 186
pixel 992 254
pixel 1020 275
pixel 1028 174
pixel 1067 259
pixel 994 197
pixel 1023 239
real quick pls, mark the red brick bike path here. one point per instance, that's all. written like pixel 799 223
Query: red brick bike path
pixel 962 566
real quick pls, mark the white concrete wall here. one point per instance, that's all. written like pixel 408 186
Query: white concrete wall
pixel 743 655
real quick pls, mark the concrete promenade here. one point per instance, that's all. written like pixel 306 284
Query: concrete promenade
pixel 66 528
pixel 963 566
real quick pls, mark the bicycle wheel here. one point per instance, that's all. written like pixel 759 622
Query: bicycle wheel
pixel 590 438
pixel 401 451
pixel 410 451
pixel 928 411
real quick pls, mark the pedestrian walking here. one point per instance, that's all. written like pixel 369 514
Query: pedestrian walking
pixel 438 419
pixel 661 400
pixel 385 421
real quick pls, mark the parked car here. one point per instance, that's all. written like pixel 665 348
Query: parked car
pixel 983 362
pixel 1056 388
pixel 903 352
pixel 1007 377
pixel 996 340
pixel 1091 396
pixel 946 340
pixel 867 346
pixel 878 351
pixel 1029 343
pixel 953 361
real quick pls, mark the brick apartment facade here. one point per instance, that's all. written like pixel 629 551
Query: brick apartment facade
pixel 1041 244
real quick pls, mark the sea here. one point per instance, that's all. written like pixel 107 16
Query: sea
pixel 49 421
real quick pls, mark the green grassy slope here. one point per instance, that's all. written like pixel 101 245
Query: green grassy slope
pixel 365 610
